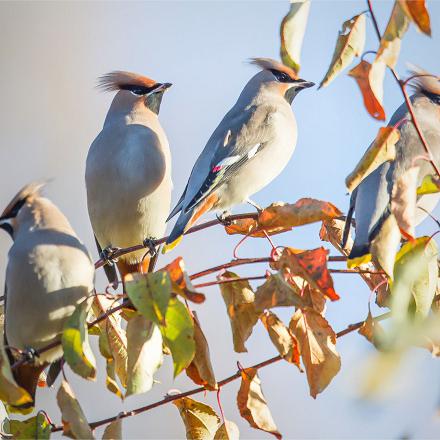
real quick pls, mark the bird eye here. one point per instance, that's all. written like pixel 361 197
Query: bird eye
pixel 137 92
pixel 281 76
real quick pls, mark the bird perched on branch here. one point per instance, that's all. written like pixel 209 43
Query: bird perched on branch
pixel 250 147
pixel 377 231
pixel 128 171
pixel 49 272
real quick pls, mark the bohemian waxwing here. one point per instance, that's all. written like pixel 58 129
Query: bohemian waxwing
pixel 128 171
pixel 249 148
pixel 377 232
pixel 49 272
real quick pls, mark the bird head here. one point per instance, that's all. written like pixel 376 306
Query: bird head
pixel 280 78
pixel 10 218
pixel 134 89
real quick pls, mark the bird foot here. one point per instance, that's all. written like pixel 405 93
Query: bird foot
pixel 107 255
pixel 150 244
pixel 257 207
pixel 30 354
pixel 223 218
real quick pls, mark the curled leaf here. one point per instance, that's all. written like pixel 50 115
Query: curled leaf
pixel 317 345
pixel 144 344
pixel 371 330
pixel 239 299
pixel 430 185
pixel 75 342
pixel 369 78
pixel 201 421
pixel 381 150
pixel 350 43
pixel 75 424
pixel 252 404
pixel 110 381
pixel 292 31
pixel 36 427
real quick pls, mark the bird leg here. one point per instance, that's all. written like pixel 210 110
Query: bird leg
pixel 29 354
pixel 257 207
pixel 150 244
pixel 223 218
pixel 107 255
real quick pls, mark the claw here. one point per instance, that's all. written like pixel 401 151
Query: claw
pixel 107 255
pixel 30 354
pixel 150 244
pixel 223 218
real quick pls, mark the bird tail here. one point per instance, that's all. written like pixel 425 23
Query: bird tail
pixel 138 267
pixel 186 220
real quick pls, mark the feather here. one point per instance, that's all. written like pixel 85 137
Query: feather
pixel 119 80
pixel 30 190
pixel 270 64
pixel 430 84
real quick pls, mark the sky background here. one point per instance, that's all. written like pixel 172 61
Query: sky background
pixel 51 54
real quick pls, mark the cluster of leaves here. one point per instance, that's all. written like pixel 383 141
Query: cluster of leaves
pixel 152 319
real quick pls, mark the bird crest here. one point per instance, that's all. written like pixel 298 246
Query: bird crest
pixel 30 190
pixel 430 84
pixel 270 64
pixel 119 80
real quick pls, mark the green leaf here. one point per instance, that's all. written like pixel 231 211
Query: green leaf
pixel 178 335
pixel 113 431
pixel 200 420
pixel 36 427
pixel 75 342
pixel 150 294
pixel 144 354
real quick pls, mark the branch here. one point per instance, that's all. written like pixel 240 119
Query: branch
pixel 233 377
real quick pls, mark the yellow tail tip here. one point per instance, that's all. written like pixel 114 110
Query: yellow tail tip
pixel 170 246
pixel 358 261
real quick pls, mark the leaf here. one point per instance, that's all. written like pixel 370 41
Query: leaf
pixel 113 431
pixel 280 335
pixel 37 427
pixel 389 48
pixel 350 43
pixel 369 78
pixel 200 370
pixel 181 283
pixel 430 185
pixel 239 299
pixel 416 11
pixel 75 342
pixel 252 404
pixel 75 424
pixel 292 32
pixel 277 292
pixel 312 266
pixel 10 391
pixel 227 431
pixel 110 381
pixel 372 330
pixel 281 217
pixel 201 421
pixel 144 343
pixel 115 335
pixel 415 276
pixel 150 294
pixel 317 345
pixel 178 335
pixel 314 299
pixel 404 200
pixel 382 149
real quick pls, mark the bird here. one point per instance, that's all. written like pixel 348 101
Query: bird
pixel 49 272
pixel 377 234
pixel 128 172
pixel 249 148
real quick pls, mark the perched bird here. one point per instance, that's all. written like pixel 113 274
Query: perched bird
pixel 128 171
pixel 248 149
pixel 49 272
pixel 377 232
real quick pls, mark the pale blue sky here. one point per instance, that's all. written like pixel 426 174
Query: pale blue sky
pixel 51 54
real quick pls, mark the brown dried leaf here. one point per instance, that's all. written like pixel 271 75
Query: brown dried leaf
pixel 227 431
pixel 381 150
pixel 281 217
pixel 417 12
pixel 252 404
pixel 371 330
pixel 317 345
pixel 200 369
pixel 315 299
pixel 404 200
pixel 239 299
pixel 281 337
pixel 369 78
pixel 75 424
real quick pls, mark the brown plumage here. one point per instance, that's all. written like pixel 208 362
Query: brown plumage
pixel 117 79
pixel 270 64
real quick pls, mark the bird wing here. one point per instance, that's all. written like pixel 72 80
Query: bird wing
pixel 236 140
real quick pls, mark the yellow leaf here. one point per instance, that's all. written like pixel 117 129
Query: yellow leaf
pixel 36 427
pixel 381 150
pixel 200 369
pixel 75 342
pixel 417 12
pixel 227 431
pixel 113 431
pixel 350 43
pixel 201 421
pixel 75 424
pixel 239 299
pixel 292 31
pixel 252 404
pixel 317 345
pixel 430 185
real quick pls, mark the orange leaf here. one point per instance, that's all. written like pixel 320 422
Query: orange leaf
pixel 282 217
pixel 417 12
pixel 312 266
pixel 317 345
pixel 181 282
pixel 370 80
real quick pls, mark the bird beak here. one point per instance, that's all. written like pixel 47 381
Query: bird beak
pixel 161 87
pixel 303 84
